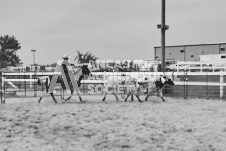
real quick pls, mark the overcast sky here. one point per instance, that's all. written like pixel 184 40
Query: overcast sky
pixel 110 29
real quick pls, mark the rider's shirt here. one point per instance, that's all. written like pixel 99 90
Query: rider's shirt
pixel 59 67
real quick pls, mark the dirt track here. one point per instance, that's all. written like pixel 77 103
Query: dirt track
pixel 154 125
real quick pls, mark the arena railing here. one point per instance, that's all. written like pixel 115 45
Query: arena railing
pixel 187 84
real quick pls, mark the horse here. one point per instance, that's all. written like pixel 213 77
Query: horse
pixel 69 77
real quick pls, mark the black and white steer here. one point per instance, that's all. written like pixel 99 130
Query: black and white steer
pixel 150 88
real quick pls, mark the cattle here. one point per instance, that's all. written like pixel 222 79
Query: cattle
pixel 121 81
pixel 150 87
pixel 77 76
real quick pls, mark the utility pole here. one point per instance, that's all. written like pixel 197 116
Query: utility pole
pixel 163 28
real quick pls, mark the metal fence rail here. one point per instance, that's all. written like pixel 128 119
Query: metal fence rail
pixel 187 84
pixel 2 93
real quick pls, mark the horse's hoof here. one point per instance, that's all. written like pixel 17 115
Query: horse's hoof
pixel 39 100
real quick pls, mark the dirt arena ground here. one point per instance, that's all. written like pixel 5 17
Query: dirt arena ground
pixel 174 125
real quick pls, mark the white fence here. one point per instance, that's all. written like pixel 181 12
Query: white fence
pixel 102 77
pixel 115 75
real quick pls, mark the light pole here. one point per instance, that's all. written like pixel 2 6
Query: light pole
pixel 34 58
pixel 35 94
pixel 163 28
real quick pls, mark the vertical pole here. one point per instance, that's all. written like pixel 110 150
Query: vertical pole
pixel 221 87
pixel 34 83
pixel 30 81
pixel 42 84
pixel 4 87
pixel 1 72
pixel 219 49
pixel 207 79
pixel 25 89
pixel 34 57
pixel 163 36
pixel 1 87
pixel 19 81
pixel 184 85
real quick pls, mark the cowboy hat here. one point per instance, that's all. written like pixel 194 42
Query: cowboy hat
pixel 65 57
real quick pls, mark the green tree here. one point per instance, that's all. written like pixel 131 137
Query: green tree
pixel 8 48
pixel 85 58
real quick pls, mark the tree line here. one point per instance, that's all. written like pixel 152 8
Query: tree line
pixel 9 46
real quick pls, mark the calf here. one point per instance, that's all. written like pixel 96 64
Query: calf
pixel 123 81
pixel 150 87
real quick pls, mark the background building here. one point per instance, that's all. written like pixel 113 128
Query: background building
pixel 189 52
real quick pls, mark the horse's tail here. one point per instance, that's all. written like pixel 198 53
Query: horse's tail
pixel 42 80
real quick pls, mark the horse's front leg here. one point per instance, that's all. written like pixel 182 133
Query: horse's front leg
pixel 80 98
pixel 161 95
pixel 72 92
pixel 54 99
pixel 105 91
pixel 43 93
pixel 105 94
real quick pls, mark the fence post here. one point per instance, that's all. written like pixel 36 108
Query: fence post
pixel 207 84
pixel 4 85
pixel 34 85
pixel 185 84
pixel 1 87
pixel 25 89
pixel 221 86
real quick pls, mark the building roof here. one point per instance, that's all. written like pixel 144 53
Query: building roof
pixel 193 45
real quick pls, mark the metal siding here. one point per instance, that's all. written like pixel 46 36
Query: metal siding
pixel 200 50
pixel 158 53
pixel 195 50
pixel 175 53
